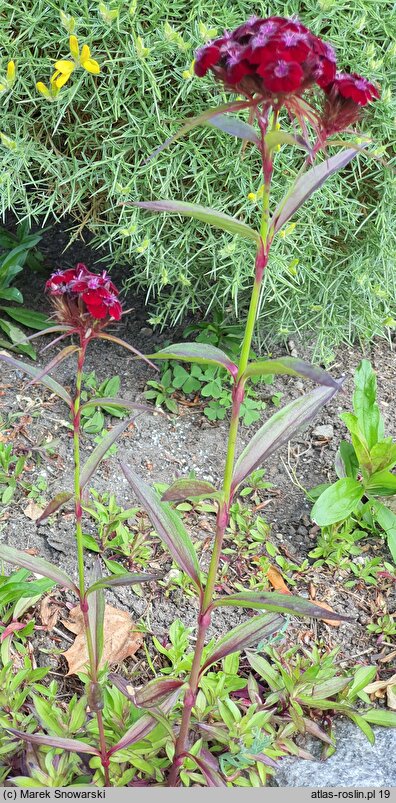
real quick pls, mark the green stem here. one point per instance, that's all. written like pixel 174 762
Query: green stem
pixel 223 515
pixel 93 669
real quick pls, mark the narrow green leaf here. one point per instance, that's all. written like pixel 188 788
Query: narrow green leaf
pixel 96 609
pixel 127 579
pixel 307 184
pixel 37 566
pixel 291 366
pixel 57 360
pixel 72 745
pixel 205 214
pixel 28 317
pixel 201 353
pixel 119 342
pixel 275 138
pixel 346 463
pixel 189 489
pixel 119 404
pixel 30 370
pixel 273 601
pixel 278 430
pixel 244 635
pixel 144 725
pixel 379 716
pixel 100 451
pixel 365 404
pixel 387 520
pixel 168 526
pixel 237 128
pixel 54 505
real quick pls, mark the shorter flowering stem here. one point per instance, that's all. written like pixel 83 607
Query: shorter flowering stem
pixel 95 705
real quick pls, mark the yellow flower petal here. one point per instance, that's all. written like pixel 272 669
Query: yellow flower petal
pixel 58 80
pixel 43 89
pixel 11 71
pixel 65 66
pixel 90 65
pixel 3 87
pixel 85 53
pixel 74 48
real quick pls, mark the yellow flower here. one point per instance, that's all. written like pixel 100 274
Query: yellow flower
pixel 10 77
pixel 89 64
pixel 52 92
pixel 188 74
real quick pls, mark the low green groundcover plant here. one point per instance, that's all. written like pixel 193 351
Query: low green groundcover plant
pixel 79 118
pixel 364 467
pixel 164 732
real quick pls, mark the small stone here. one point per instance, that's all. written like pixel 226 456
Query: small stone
pixel 302 531
pixel 146 331
pixel 324 432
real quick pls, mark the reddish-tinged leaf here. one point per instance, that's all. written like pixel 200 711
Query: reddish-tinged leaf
pixel 13 627
pixel 125 345
pixel 291 366
pixel 314 729
pixel 127 404
pixel 74 745
pixel 100 451
pixel 244 635
pixel 212 777
pixel 49 331
pixel 200 119
pixel 154 692
pixel 143 726
pixel 188 489
pixel 201 353
pixel 278 430
pixel 203 213
pixel 237 128
pixel 275 601
pixel 167 524
pixel 36 565
pixel 54 505
pixel 127 579
pixel 62 355
pixel 30 370
pixel 307 184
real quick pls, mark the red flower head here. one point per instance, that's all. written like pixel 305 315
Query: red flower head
pixel 345 97
pixel 274 61
pixel 80 296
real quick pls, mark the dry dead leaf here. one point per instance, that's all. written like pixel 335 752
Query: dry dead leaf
pixel 277 580
pixel 331 622
pixel 33 511
pixel 380 688
pixel 50 611
pixel 120 638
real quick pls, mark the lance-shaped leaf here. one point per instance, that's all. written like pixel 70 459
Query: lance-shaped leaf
pixel 37 565
pixel 275 138
pixel 49 331
pixel 127 346
pixel 245 635
pixel 127 579
pixel 387 520
pixel 337 502
pixel 201 353
pixel 237 128
pixel 211 216
pixel 200 119
pixel 189 489
pixel 100 451
pixel 57 360
pixel 60 499
pixel 307 184
pixel 273 601
pixel 278 430
pixel 212 776
pixel 144 725
pixel 119 404
pixel 291 366
pixel 96 610
pixel 167 524
pixel 152 694
pixel 72 745
pixel 30 370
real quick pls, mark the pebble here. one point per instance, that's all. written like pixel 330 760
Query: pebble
pixel 324 432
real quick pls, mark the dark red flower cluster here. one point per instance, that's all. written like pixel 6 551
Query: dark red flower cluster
pixel 98 294
pixel 345 97
pixel 276 60
pixel 269 56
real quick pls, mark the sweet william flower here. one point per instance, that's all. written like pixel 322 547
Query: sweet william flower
pixel 345 98
pixel 80 296
pixel 101 303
